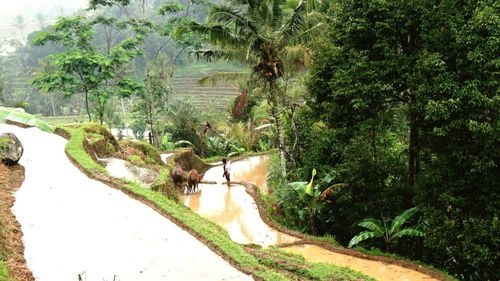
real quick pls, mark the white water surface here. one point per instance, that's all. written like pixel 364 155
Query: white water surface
pixel 73 224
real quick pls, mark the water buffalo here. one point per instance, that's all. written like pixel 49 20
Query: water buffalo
pixel 177 174
pixel 193 180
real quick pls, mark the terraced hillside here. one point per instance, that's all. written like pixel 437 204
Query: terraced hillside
pixel 185 85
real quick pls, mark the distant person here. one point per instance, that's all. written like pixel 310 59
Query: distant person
pixel 227 170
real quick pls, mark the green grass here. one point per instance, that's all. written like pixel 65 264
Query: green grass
pixel 162 177
pixel 12 114
pixel 63 120
pixel 74 148
pixel 135 159
pixel 263 265
pixel 4 272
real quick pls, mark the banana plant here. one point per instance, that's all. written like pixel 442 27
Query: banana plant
pixel 309 194
pixel 377 229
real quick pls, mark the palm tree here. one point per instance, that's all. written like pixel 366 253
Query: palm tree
pixel 20 24
pixel 377 229
pixel 41 20
pixel 261 34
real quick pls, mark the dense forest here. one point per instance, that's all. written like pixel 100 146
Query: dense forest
pixel 377 113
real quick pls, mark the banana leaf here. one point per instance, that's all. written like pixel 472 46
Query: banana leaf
pixel 309 187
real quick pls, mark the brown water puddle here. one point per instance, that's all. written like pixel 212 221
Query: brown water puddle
pixel 252 170
pixel 235 210
pixel 376 269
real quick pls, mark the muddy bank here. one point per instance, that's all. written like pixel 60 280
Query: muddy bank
pixel 73 224
pixel 11 245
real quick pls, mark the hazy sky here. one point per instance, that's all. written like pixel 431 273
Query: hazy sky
pixel 28 8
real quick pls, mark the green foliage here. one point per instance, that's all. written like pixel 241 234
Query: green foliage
pixel 82 68
pixel 377 229
pixel 166 144
pixel 4 272
pixel 19 116
pixel 185 123
pixel 258 34
pixel 152 104
pixel 136 159
pixel 406 96
pixel 75 150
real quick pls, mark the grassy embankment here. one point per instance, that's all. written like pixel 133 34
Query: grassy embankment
pixel 265 264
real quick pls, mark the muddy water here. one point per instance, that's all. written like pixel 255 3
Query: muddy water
pixel 251 170
pixel 233 208
pixel 236 211
pixel 122 169
pixel 165 156
pixel 376 269
pixel 72 224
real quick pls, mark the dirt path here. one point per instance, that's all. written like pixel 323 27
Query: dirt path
pixel 74 225
pixel 236 211
pixel 11 246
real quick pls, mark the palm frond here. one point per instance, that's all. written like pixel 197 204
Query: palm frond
pixel 362 237
pixel 401 219
pixel 409 232
pixel 218 34
pixel 234 18
pixel 240 104
pixel 183 143
pixel 295 23
pixel 211 55
pixel 330 190
pixel 223 77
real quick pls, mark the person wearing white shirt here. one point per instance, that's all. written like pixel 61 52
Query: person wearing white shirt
pixel 227 170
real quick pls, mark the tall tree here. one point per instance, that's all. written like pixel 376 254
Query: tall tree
pixel 20 24
pixel 141 16
pixel 437 62
pixel 83 69
pixel 260 35
pixel 41 20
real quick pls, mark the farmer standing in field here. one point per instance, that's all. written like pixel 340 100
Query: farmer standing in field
pixel 227 170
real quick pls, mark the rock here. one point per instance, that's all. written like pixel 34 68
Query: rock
pixel 11 148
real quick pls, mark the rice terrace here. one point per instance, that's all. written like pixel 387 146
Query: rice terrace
pixel 151 140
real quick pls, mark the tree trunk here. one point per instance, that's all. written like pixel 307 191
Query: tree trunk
pixel 294 155
pixel 52 104
pixel 414 149
pixel 87 104
pixel 274 112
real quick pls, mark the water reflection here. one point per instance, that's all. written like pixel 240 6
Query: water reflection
pixel 233 208
pixel 376 269
pixel 252 170
pixel 122 169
